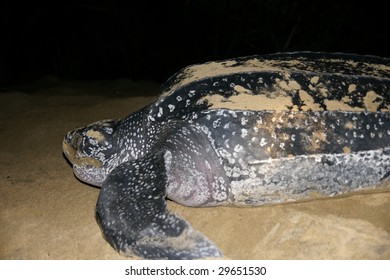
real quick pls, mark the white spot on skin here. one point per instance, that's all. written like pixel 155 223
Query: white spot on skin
pixel 263 142
pixel 219 189
pixel 217 123
pixel 244 133
pixel 227 143
pixel 238 148
pixel 160 112
pixel 225 154
pixel 171 107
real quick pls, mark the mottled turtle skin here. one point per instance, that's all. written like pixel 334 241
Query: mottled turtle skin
pixel 241 132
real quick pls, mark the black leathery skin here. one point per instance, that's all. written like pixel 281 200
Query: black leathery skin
pixel 359 131
pixel 195 174
pixel 265 83
pixel 131 211
pixel 315 62
pixel 285 158
pixel 198 144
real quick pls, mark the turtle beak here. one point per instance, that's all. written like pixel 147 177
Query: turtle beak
pixel 71 149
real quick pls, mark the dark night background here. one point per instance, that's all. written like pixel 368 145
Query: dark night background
pixel 149 40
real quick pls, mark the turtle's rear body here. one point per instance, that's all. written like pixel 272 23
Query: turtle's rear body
pixel 248 131
pixel 273 157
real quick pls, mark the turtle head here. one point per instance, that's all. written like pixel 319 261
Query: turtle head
pixel 92 151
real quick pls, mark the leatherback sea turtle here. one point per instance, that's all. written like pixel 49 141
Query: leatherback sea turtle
pixel 242 132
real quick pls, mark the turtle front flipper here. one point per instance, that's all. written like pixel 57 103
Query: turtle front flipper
pixel 132 213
